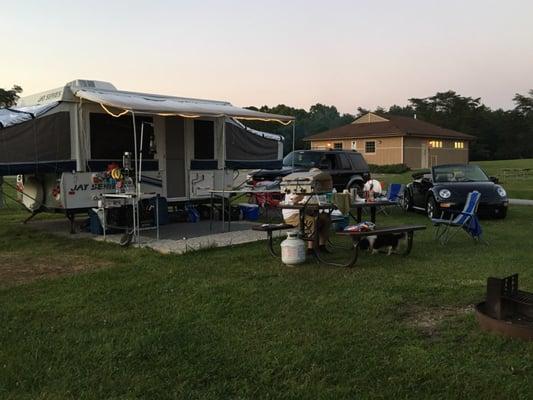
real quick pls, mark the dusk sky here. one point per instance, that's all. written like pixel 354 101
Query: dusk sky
pixel 345 53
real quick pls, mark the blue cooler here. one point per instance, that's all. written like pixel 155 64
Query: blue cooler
pixel 250 212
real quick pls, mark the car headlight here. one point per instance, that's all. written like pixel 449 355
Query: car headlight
pixel 501 191
pixel 445 193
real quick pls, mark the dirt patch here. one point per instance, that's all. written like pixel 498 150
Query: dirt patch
pixel 427 320
pixel 17 268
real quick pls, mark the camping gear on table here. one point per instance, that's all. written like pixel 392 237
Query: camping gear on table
pixel 307 182
pixel 361 227
pixel 372 189
pixel 293 249
pixel 342 201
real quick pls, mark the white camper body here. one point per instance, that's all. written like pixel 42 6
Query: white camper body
pixel 66 138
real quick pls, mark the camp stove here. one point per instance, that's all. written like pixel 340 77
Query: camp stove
pixel 311 182
pixel 506 310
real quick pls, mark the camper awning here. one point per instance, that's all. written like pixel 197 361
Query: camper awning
pixel 16 115
pixel 167 105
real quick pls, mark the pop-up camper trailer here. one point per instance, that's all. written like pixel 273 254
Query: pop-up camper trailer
pixel 65 143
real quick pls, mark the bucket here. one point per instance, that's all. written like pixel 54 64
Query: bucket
pixel 250 212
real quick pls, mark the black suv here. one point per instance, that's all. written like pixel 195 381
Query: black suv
pixel 348 169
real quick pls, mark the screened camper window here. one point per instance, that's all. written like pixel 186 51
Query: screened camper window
pixel 111 137
pixel 204 140
pixel 41 139
pixel 337 145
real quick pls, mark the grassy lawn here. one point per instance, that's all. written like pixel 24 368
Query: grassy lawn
pixel 518 187
pixel 235 323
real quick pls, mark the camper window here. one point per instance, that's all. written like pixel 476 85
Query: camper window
pixel 111 137
pixel 204 140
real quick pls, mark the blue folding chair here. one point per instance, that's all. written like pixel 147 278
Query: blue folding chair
pixel 394 195
pixel 395 192
pixel 465 220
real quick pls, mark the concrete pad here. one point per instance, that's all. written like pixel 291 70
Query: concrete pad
pixel 175 238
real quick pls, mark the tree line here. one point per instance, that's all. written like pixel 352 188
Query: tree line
pixel 501 134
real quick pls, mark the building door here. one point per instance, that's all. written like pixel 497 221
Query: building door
pixel 434 161
pixel 424 154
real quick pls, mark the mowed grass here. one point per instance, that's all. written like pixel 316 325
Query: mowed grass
pixel 519 185
pixel 236 323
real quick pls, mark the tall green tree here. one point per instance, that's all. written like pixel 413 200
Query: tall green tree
pixel 319 118
pixel 9 97
pixel 500 134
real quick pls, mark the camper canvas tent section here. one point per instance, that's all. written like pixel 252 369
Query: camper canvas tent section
pixel 63 139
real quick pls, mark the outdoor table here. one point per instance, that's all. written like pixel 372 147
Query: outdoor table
pixel 304 209
pixel 222 194
pixel 358 206
pixel 130 198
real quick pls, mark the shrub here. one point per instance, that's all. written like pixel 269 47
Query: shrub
pixel 389 169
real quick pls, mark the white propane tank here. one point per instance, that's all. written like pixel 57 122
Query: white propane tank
pixel 293 249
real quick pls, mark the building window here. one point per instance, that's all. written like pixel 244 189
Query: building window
pixel 459 145
pixel 435 144
pixel 370 147
pixel 337 145
pixel 354 145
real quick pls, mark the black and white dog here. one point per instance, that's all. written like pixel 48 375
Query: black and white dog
pixel 388 242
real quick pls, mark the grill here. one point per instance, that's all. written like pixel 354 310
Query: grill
pixel 307 182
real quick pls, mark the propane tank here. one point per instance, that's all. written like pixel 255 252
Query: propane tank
pixel 293 249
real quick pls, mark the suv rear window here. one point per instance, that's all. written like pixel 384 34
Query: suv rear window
pixel 358 161
pixel 344 163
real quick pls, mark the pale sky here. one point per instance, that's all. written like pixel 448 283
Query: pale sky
pixel 345 53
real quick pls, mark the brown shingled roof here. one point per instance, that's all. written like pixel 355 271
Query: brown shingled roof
pixel 395 126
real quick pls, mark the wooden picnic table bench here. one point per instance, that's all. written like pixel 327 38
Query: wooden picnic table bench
pixel 391 230
pixel 269 228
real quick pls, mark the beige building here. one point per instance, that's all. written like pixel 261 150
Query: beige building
pixel 397 140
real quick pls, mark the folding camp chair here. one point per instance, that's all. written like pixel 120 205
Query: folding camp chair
pixel 394 195
pixel 465 220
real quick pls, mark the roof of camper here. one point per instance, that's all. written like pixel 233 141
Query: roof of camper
pixel 107 95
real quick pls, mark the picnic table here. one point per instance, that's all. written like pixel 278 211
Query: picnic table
pixel 358 206
pixel 392 230
pixel 224 196
pixel 314 209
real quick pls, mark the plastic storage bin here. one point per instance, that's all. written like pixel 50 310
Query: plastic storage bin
pixel 250 212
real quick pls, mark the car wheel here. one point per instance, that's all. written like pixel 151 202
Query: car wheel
pixel 407 201
pixel 431 207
